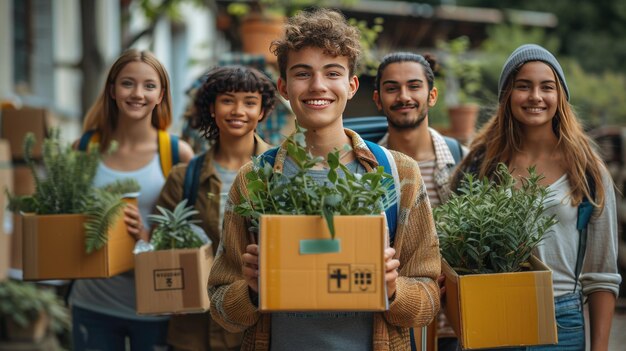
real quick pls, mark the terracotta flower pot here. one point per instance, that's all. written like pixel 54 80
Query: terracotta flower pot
pixel 258 32
pixel 463 121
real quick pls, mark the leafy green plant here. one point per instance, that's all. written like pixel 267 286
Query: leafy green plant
pixel 269 192
pixel 462 73
pixel 24 302
pixel 173 228
pixel 369 34
pixel 67 188
pixel 493 226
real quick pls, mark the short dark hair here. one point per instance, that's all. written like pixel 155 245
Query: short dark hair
pixel 230 79
pixel 428 62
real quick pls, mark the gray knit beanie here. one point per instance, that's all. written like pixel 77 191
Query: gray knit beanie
pixel 526 53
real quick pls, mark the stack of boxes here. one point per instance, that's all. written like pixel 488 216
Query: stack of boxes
pixel 15 176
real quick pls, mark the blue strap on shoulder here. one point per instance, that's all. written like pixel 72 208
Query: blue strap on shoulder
pixel 83 143
pixel 174 147
pixel 391 212
pixel 455 149
pixel 192 179
pixel 269 156
pixel 585 210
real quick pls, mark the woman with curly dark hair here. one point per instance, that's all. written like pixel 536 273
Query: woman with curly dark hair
pixel 230 104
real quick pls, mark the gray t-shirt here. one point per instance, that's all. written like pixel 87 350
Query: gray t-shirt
pixel 310 331
pixel 227 177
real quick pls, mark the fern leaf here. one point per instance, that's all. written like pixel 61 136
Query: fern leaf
pixel 102 215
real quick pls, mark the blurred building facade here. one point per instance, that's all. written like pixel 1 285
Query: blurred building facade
pixel 41 49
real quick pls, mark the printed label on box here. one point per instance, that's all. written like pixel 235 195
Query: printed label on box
pixel 351 278
pixel 169 279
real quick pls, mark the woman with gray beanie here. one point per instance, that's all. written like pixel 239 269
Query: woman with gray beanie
pixel 534 125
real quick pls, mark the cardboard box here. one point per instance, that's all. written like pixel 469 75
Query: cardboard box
pixel 23 180
pixel 173 281
pixel 502 309
pixel 16 123
pixel 54 248
pixel 16 242
pixel 296 277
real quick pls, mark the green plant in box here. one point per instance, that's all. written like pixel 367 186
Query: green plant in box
pixel 270 192
pixel 173 228
pixel 67 188
pixel 493 226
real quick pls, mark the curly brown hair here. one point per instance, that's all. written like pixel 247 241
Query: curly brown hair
pixel 321 28
pixel 229 79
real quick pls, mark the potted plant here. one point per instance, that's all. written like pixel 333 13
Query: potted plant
pixel 262 21
pixel 172 272
pixel 70 228
pixel 487 232
pixel 29 313
pixel 463 81
pixel 309 232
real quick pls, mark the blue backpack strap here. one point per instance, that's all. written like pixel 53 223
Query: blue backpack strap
pixel 83 143
pixel 192 179
pixel 269 156
pixel 455 149
pixel 585 210
pixel 391 212
pixel 174 147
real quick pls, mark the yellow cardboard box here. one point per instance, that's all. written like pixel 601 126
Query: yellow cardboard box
pixel 53 247
pixel 16 123
pixel 502 309
pixel 173 281
pixel 295 277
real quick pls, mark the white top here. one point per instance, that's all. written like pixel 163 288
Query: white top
pixel 560 246
pixel 115 296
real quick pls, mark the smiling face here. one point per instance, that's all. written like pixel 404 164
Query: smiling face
pixel 318 86
pixel 404 97
pixel 534 97
pixel 237 113
pixel 137 90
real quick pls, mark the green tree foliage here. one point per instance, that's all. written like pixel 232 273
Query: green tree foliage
pixel 592 31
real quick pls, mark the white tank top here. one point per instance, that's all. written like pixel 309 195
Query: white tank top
pixel 116 295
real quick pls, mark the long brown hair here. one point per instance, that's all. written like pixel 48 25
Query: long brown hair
pixel 103 115
pixel 501 137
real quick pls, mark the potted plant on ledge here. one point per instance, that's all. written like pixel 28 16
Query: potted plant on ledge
pixel 262 21
pixel 495 288
pixel 463 82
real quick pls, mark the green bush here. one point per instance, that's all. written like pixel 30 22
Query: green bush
pixel 493 226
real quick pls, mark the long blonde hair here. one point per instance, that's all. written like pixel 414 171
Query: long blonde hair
pixel 501 137
pixel 103 115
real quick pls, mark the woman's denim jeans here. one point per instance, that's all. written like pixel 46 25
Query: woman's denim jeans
pixel 570 322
